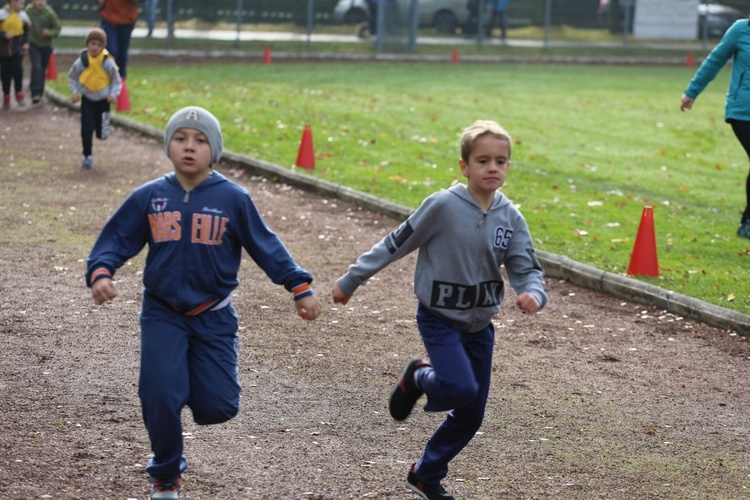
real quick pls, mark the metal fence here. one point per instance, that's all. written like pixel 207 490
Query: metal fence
pixel 405 20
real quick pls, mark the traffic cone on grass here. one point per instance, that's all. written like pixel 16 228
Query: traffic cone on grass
pixel 306 156
pixel 52 68
pixel 266 55
pixel 454 57
pixel 689 61
pixel 643 261
pixel 123 100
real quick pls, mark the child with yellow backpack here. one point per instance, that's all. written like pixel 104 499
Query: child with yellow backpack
pixel 94 79
pixel 14 42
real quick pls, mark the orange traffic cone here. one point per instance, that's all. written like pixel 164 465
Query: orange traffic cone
pixel 689 62
pixel 123 100
pixel 52 68
pixel 306 157
pixel 454 57
pixel 266 55
pixel 643 260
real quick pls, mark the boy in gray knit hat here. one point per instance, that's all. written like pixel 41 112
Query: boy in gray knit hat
pixel 464 235
pixel 195 222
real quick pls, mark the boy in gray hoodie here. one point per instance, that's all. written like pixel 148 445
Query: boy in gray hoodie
pixel 464 235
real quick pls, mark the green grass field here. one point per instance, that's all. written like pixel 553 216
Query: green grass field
pixel 593 146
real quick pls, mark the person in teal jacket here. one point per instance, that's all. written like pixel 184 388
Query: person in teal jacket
pixel 734 45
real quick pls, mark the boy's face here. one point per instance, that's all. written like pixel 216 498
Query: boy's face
pixel 38 4
pixel 487 166
pixel 16 5
pixel 94 47
pixel 190 153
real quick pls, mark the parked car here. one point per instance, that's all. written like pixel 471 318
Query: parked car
pixel 444 15
pixel 717 18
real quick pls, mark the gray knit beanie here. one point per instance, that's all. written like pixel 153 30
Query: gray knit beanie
pixel 198 119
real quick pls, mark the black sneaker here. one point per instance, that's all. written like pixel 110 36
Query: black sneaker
pixel 744 230
pixel 406 393
pixel 435 492
pixel 165 489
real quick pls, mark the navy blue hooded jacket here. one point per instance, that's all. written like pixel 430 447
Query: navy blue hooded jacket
pixel 195 242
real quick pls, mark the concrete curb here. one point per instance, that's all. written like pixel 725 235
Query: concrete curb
pixel 405 58
pixel 555 266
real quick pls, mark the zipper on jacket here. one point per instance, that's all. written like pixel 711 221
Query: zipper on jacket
pixel 478 260
pixel 186 198
pixel 484 218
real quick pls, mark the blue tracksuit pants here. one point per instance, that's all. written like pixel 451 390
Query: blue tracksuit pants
pixel 185 361
pixel 118 43
pixel 459 381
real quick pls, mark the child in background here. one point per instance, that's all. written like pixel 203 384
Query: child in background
pixel 464 235
pixel 14 42
pixel 118 19
pixel 95 81
pixel 195 222
pixel 45 27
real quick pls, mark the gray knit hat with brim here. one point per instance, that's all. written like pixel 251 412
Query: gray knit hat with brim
pixel 198 119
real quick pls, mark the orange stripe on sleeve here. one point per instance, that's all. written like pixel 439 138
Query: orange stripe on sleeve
pixel 100 273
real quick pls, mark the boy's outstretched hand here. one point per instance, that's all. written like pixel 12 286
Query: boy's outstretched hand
pixel 308 307
pixel 527 303
pixel 339 297
pixel 103 290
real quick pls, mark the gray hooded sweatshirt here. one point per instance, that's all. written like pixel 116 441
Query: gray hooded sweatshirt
pixel 461 250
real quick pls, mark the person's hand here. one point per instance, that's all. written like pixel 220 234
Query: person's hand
pixel 339 297
pixel 103 290
pixel 111 98
pixel 687 102
pixel 75 97
pixel 527 303
pixel 308 308
pixel 46 33
pixel 8 35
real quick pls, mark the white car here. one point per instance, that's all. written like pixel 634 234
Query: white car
pixel 444 15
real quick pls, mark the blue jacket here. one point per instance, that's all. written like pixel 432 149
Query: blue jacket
pixel 501 5
pixel 195 242
pixel 735 45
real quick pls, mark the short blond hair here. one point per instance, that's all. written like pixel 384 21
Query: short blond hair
pixel 479 128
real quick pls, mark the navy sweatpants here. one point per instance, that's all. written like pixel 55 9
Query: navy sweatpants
pixel 459 381
pixel 94 114
pixel 118 43
pixel 185 361
pixel 40 57
pixel 11 72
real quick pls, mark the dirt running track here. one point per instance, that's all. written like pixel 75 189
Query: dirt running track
pixel 594 397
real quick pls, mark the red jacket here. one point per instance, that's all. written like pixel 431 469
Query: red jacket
pixel 119 12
